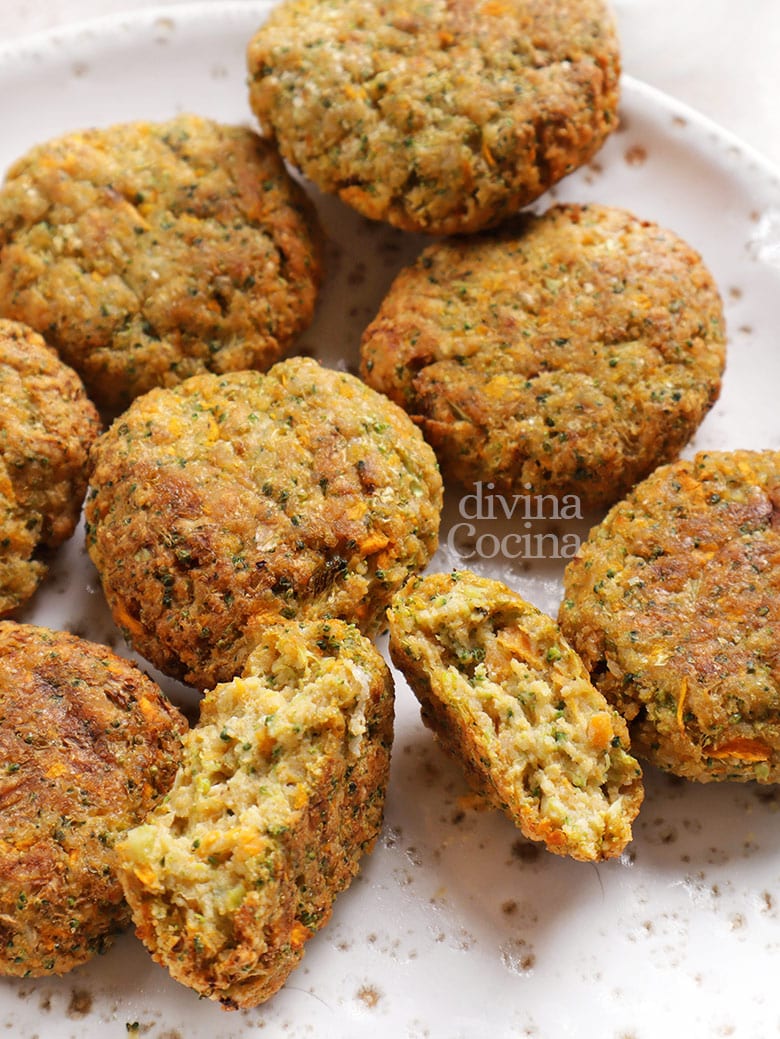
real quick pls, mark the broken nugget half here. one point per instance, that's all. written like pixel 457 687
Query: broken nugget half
pixel 280 794
pixel 511 701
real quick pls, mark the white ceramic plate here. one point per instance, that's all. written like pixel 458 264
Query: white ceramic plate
pixel 456 926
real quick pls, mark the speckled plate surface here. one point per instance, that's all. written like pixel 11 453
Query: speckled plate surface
pixel 457 927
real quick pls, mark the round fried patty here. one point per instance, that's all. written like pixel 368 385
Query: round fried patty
pixel 47 424
pixel 673 602
pixel 440 116
pixel 231 502
pixel 88 745
pixel 569 354
pixel 148 252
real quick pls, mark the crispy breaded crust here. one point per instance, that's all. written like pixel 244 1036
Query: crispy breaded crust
pixel 47 425
pixel 674 604
pixel 441 117
pixel 149 252
pixel 228 503
pixel 88 746
pixel 510 700
pixel 280 794
pixel 569 354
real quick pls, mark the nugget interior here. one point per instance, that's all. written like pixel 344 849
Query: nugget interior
pixel 511 701
pixel 280 793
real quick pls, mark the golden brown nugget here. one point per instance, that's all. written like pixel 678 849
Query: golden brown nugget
pixel 47 424
pixel 228 503
pixel 510 700
pixel 435 116
pixel 673 602
pixel 88 745
pixel 149 252
pixel 569 354
pixel 280 794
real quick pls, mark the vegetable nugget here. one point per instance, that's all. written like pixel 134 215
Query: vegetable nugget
pixel 88 745
pixel 149 252
pixel 436 116
pixel 569 354
pixel 673 602
pixel 228 503
pixel 510 700
pixel 280 793
pixel 47 424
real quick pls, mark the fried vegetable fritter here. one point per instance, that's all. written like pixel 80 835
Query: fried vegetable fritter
pixel 280 794
pixel 673 602
pixel 231 502
pixel 510 700
pixel 436 116
pixel 569 354
pixel 47 424
pixel 88 745
pixel 149 252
